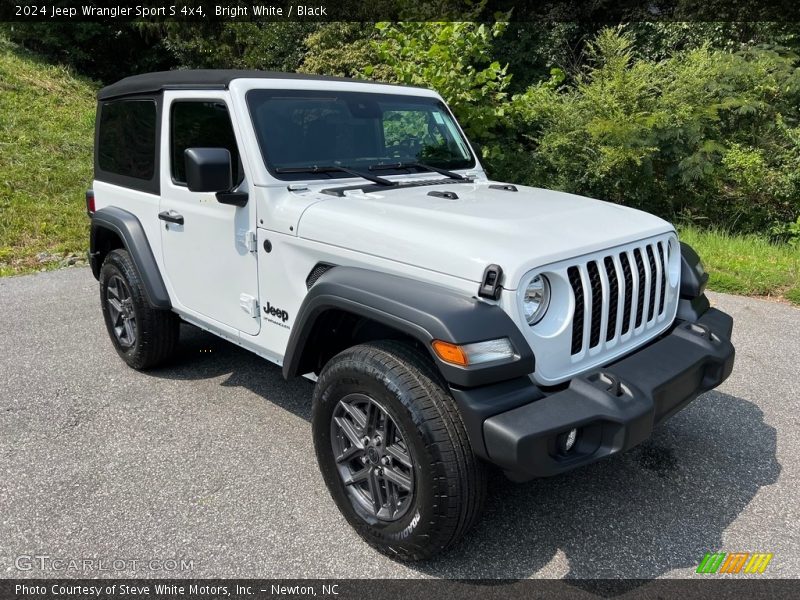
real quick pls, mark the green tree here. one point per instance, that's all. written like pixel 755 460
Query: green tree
pixel 455 59
pixel 706 134
pixel 234 45
pixel 343 49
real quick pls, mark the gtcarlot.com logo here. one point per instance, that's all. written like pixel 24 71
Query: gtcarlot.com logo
pixel 734 562
pixel 59 564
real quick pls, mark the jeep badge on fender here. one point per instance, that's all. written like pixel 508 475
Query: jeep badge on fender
pixel 451 323
pixel 276 312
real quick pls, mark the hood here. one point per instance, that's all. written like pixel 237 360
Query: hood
pixel 460 236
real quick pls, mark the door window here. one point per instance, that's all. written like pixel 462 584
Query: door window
pixel 205 124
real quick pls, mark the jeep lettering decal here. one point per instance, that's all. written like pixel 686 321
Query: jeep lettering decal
pixel 276 312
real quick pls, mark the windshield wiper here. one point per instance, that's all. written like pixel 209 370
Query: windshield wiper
pixel 416 165
pixel 335 168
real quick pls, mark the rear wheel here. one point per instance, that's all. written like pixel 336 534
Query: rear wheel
pixel 393 450
pixel 143 336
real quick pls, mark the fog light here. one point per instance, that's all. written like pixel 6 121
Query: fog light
pixel 566 441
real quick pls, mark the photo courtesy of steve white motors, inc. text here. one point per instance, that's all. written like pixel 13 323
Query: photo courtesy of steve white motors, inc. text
pixel 171 589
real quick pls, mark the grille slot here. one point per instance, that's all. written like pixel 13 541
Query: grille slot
pixel 597 303
pixel 637 256
pixel 653 276
pixel 618 296
pixel 664 270
pixel 613 297
pixel 577 318
pixel 628 279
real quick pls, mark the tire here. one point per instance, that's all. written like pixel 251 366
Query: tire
pixel 143 336
pixel 447 481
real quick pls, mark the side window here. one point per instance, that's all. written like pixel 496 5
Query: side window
pixel 126 142
pixel 196 124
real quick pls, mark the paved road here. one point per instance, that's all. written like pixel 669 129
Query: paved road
pixel 211 460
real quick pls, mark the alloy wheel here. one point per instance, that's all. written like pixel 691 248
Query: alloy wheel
pixel 373 458
pixel 120 309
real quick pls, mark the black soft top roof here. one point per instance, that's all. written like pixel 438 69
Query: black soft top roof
pixel 205 79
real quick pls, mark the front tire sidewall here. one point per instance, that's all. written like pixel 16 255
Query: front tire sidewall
pixel 406 536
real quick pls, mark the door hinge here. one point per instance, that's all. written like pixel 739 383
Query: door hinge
pixel 249 305
pixel 251 240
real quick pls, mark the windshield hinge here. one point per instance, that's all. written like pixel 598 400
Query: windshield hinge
pixel 491 282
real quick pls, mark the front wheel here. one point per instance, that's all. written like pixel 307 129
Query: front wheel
pixel 394 452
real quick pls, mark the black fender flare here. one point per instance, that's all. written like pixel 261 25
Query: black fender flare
pixel 692 303
pixel 130 231
pixel 693 276
pixel 421 310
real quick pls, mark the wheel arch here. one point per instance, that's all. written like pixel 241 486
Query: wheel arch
pixel 400 308
pixel 113 228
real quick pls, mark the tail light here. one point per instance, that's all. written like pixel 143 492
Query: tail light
pixel 90 202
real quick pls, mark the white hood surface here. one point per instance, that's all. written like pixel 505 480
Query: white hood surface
pixel 519 230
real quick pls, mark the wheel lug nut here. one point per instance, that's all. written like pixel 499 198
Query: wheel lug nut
pixel 365 440
pixel 385 460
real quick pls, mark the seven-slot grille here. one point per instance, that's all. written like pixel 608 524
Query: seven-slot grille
pixel 618 293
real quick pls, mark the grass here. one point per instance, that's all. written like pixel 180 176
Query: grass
pixel 46 131
pixel 748 265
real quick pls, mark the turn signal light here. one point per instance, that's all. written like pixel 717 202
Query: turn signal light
pixel 451 353
pixel 477 353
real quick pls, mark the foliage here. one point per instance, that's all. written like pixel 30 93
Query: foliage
pixel 658 40
pixel 749 264
pixel 95 49
pixel 47 162
pixel 455 59
pixel 698 122
pixel 233 45
pixel 788 232
pixel 704 135
pixel 343 49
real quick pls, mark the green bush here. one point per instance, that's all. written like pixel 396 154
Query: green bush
pixel 705 135
pixel 455 59
pixel 343 49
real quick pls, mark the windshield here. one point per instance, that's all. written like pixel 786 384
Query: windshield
pixel 301 128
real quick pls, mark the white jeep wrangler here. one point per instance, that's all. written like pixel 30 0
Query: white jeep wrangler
pixel 346 231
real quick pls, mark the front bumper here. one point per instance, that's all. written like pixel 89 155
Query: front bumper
pixel 612 409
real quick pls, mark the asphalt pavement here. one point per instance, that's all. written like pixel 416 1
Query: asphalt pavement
pixel 210 462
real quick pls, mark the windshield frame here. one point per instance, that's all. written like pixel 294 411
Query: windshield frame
pixel 274 170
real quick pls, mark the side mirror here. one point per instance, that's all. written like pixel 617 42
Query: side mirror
pixel 210 170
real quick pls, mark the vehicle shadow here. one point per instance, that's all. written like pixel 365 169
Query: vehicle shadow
pixel 202 355
pixel 659 507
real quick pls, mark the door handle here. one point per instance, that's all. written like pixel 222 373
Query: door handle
pixel 171 217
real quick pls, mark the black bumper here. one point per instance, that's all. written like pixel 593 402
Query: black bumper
pixel 612 409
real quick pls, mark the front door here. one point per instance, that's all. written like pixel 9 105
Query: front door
pixel 210 256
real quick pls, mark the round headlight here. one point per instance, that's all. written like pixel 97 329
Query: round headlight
pixel 536 299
